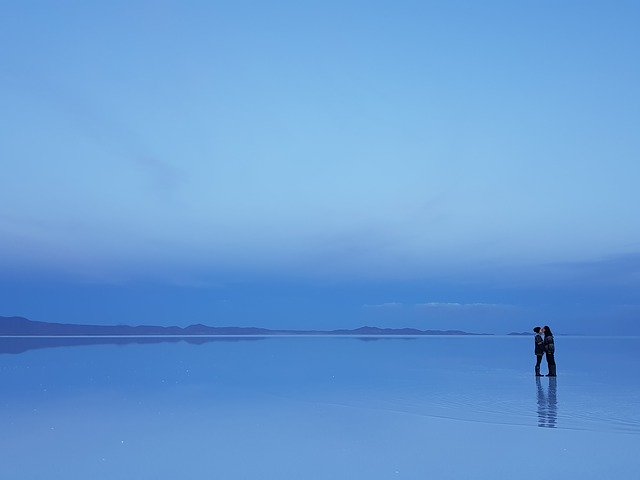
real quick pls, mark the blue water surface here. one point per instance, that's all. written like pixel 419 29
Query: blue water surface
pixel 317 407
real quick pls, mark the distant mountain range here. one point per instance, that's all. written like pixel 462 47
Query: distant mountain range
pixel 19 326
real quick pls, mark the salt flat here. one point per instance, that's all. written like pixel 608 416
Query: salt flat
pixel 322 408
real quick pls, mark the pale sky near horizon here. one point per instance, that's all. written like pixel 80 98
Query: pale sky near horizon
pixel 321 164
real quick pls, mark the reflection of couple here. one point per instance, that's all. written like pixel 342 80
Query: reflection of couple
pixel 547 404
pixel 545 346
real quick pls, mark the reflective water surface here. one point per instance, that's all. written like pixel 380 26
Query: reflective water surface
pixel 300 407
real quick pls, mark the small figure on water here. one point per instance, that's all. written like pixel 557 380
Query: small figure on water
pixel 539 350
pixel 549 350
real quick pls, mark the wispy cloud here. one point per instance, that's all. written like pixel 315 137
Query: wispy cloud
pixel 162 176
pixel 441 305
pixel 384 305
pixel 105 130
pixel 622 270
pixel 458 305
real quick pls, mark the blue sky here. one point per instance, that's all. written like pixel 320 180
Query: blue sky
pixel 321 164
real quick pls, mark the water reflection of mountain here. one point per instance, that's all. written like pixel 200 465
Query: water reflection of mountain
pixel 17 345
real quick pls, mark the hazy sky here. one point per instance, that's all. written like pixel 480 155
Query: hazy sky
pixel 321 164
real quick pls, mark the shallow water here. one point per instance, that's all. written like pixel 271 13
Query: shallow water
pixel 299 407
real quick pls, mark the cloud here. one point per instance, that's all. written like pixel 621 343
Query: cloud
pixel 162 176
pixel 442 305
pixel 620 270
pixel 105 130
pixel 458 305
pixel 384 305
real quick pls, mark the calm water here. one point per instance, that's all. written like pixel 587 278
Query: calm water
pixel 454 407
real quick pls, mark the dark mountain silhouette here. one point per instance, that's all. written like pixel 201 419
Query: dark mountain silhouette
pixel 19 326
pixel 397 331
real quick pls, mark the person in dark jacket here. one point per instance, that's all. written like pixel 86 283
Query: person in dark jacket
pixel 549 350
pixel 539 350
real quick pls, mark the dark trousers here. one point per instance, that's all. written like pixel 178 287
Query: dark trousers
pixel 538 362
pixel 551 362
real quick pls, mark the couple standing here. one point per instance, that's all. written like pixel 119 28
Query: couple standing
pixel 545 346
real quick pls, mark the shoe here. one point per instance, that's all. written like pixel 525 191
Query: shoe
pixel 539 375
pixel 549 375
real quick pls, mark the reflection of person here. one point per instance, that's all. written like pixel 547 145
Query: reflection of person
pixel 549 350
pixel 547 404
pixel 539 350
pixel 553 402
